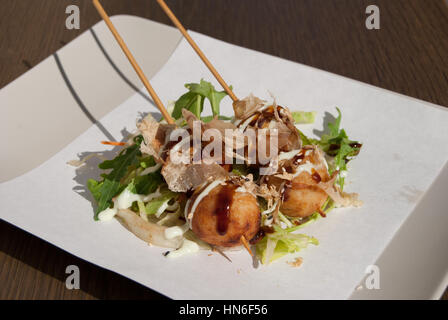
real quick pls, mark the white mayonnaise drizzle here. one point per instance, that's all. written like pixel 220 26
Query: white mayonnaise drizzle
pixel 176 231
pixel 123 201
pixel 153 195
pixel 126 198
pixel 189 213
pixel 107 214
pixel 288 155
pixel 186 248
pixel 244 125
pixel 306 167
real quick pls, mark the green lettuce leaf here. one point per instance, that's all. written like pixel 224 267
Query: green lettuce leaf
pixel 336 144
pixel 147 162
pixel 191 101
pixel 103 192
pixel 122 175
pixel 194 99
pixel 292 242
pixel 121 164
pixel 148 184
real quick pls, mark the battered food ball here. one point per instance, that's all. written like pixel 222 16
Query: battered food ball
pixel 224 215
pixel 301 196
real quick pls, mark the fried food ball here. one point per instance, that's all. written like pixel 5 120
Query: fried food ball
pixel 301 196
pixel 224 215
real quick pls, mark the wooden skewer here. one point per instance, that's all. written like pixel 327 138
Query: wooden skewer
pixel 133 62
pixel 215 249
pixel 246 245
pixel 184 32
pixel 145 81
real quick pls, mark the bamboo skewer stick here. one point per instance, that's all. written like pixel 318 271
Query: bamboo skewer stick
pixel 207 62
pixel 133 62
pixel 215 249
pixel 246 245
pixel 145 81
pixel 184 32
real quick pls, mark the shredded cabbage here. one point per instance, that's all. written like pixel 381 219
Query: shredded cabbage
pixel 158 205
pixel 303 117
pixel 281 242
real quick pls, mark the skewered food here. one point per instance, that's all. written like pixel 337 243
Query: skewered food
pixel 222 213
pixel 301 175
pixel 229 191
pixel 173 186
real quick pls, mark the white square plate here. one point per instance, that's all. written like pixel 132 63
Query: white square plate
pixel 405 149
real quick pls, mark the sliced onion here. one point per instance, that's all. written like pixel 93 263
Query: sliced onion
pixel 147 231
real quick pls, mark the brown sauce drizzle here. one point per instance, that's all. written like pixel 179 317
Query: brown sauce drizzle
pixel 262 232
pixel 222 210
pixel 258 237
pixel 322 213
pixel 284 193
pixel 254 120
pixel 268 110
pixel 316 176
pixel 262 122
pixel 299 158
pixel 356 145
pixel 265 117
pixel 262 118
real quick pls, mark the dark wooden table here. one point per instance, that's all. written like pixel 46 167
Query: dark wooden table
pixel 407 55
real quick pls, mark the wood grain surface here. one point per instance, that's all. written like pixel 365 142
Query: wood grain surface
pixel 408 55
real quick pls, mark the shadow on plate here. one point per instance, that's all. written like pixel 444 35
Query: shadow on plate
pixel 48 282
pixel 328 118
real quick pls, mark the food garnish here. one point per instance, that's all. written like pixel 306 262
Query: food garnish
pixel 171 193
